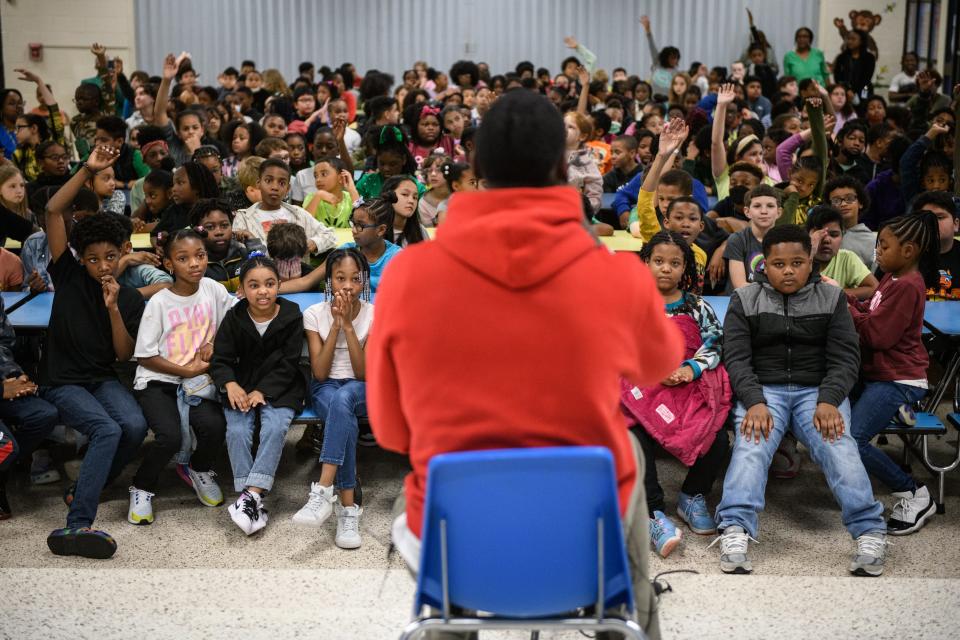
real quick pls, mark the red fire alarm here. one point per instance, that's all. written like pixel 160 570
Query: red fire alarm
pixel 36 51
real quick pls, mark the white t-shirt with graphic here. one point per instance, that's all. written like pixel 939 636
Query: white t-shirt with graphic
pixel 175 327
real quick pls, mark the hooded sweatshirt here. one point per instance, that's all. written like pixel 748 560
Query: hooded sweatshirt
pixel 516 338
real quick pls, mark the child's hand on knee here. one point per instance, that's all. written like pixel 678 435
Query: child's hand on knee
pixel 828 421
pixel 237 397
pixel 757 421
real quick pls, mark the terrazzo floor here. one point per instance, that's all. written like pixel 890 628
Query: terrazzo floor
pixel 193 574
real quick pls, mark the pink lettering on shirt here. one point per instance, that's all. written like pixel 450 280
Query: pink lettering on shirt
pixel 188 329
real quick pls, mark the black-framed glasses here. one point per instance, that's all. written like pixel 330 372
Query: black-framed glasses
pixel 60 157
pixel 359 226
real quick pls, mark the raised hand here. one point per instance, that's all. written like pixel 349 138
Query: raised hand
pixel 814 103
pixel 101 157
pixel 583 76
pixel 571 42
pixel 645 21
pixel 98 49
pixel 750 17
pixel 925 82
pixel 937 129
pixel 170 67
pixel 829 122
pixel 838 23
pixel 673 135
pixel 28 76
pixel 726 94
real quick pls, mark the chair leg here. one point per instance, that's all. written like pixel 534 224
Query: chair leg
pixel 534 635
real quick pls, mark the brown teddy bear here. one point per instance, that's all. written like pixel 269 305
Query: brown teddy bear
pixel 864 20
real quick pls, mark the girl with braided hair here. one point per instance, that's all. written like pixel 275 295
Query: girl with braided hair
pixel 393 157
pixel 337 331
pixel 686 411
pixel 893 358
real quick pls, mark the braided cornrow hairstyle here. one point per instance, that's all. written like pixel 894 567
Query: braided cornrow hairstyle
pixel 688 281
pixel 920 228
pixel 334 258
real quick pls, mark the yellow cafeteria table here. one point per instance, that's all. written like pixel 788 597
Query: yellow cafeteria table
pixel 141 242
pixel 619 241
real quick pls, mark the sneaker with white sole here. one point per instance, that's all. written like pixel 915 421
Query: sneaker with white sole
pixel 42 469
pixel 871 549
pixel 911 512
pixel 664 534
pixel 248 512
pixel 348 526
pixel 206 488
pixel 318 508
pixel 734 544
pixel 141 507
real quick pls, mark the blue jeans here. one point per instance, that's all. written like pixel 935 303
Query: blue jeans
pixel 872 414
pixel 109 416
pixel 259 472
pixel 339 403
pixel 34 418
pixel 746 479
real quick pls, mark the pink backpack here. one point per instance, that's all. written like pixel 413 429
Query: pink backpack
pixel 683 419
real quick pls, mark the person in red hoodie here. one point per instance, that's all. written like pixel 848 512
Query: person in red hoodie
pixel 523 331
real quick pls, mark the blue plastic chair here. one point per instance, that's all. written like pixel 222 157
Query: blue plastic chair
pixel 530 537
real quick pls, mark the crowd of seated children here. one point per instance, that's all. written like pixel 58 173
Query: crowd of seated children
pixel 222 176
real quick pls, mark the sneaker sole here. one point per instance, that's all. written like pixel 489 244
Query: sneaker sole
pixel 867 573
pixel 926 515
pixel 48 477
pixel 86 545
pixel 206 501
pixel 701 532
pixel 313 523
pixel 670 546
pixel 738 570
pixel 139 521
pixel 347 545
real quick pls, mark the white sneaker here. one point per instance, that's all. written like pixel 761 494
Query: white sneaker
pixel 42 469
pixel 141 507
pixel 911 512
pixel 348 527
pixel 734 544
pixel 248 512
pixel 318 508
pixel 206 488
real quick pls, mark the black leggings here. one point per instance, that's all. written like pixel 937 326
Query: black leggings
pixel 700 476
pixel 159 404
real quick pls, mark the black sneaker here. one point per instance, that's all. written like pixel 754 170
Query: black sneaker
pixel 88 543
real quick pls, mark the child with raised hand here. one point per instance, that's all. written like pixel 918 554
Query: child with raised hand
pixel 333 200
pixel 748 148
pixel 225 254
pixel 848 196
pixel 696 397
pixel 895 360
pixel 643 221
pixel 407 228
pixel 92 325
pixel 173 351
pixel 790 348
pixel 337 331
pixel 273 184
pixel 743 252
pixel 837 266
pixel 256 357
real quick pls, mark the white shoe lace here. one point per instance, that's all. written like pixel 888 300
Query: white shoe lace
pixel 733 542
pixel 900 509
pixel 873 546
pixel 139 495
pixel 206 478
pixel 315 501
pixel 349 522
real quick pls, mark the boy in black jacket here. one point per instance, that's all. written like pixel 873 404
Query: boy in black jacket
pixel 793 355
pixel 255 363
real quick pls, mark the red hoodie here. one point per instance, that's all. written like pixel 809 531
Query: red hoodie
pixel 511 330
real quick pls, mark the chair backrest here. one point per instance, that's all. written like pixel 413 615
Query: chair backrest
pixel 522 532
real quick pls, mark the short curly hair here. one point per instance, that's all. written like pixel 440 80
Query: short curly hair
pixel 97 228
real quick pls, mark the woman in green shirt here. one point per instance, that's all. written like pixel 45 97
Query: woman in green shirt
pixel 805 61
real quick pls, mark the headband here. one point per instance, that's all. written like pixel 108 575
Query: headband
pixel 146 147
pixel 427 110
pixel 745 142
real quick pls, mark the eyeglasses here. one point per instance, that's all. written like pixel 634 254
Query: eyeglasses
pixel 59 157
pixel 22 126
pixel 359 226
pixel 837 202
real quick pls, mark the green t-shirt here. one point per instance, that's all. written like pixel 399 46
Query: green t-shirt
pixel 336 216
pixel 847 269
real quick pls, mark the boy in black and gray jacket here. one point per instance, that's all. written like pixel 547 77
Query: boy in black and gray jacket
pixel 793 356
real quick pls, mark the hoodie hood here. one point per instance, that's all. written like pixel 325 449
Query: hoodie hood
pixel 518 238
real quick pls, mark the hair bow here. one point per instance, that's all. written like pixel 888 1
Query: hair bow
pixel 392 131
pixel 427 110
